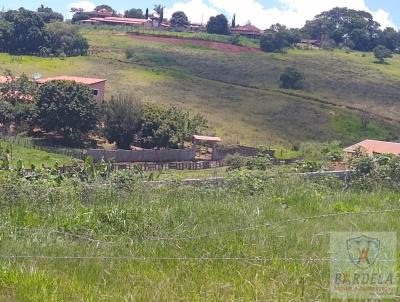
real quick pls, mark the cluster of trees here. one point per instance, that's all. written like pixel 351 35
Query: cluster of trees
pixel 278 37
pixel 128 121
pixel 39 33
pixel 70 109
pixel 339 27
pixel 351 28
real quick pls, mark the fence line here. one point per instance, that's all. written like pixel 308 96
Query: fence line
pixel 217 233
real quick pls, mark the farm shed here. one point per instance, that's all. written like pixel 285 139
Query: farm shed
pixel 213 140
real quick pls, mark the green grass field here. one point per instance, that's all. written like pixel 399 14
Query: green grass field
pixel 239 93
pixel 85 242
pixel 34 157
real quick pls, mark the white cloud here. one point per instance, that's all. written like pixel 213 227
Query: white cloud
pixel 87 6
pixel 196 10
pixel 292 13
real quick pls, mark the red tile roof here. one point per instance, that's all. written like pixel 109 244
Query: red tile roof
pixel 375 147
pixel 207 138
pixel 80 80
pixel 117 20
pixel 246 29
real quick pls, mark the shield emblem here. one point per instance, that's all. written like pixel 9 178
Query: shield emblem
pixel 363 251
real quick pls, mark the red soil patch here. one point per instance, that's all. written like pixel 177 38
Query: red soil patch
pixel 208 44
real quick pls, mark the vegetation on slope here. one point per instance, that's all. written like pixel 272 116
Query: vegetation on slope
pixel 239 93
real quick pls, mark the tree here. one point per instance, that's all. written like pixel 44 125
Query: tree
pixel 79 16
pixel 390 38
pixel 291 78
pixel 339 23
pixel 168 128
pixel 361 39
pixel 136 13
pixel 179 20
pixel 218 25
pixel 48 15
pixel 161 19
pixel 24 31
pixel 147 14
pixel 104 7
pixel 158 8
pixel 123 120
pixel 278 37
pixel 65 39
pixel 67 107
pixel 381 53
pixel 233 21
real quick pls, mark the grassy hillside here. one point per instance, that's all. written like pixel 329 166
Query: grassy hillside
pixel 239 93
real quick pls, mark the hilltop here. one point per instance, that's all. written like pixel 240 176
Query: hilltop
pixel 238 92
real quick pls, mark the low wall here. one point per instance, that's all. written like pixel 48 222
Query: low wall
pixel 125 156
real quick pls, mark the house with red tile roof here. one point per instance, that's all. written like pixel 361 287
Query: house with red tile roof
pixel 120 21
pixel 372 147
pixel 248 30
pixel 96 85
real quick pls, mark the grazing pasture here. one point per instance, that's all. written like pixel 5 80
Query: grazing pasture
pixel 239 92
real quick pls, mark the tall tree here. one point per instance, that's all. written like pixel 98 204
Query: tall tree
pixel 158 8
pixel 340 23
pixel 179 20
pixel 147 14
pixel 48 15
pixel 25 31
pixel 134 13
pixel 67 107
pixel 234 20
pixel 161 19
pixel 123 121
pixel 218 25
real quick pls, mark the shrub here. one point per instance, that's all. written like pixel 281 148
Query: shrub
pixel 381 53
pixel 123 120
pixel 259 162
pixel 235 161
pixel 291 78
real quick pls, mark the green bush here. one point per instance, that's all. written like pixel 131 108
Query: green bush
pixel 291 78
pixel 235 161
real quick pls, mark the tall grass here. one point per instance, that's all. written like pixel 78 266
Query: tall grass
pixel 99 243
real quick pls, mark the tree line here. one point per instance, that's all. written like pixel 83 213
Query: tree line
pixel 70 109
pixel 41 33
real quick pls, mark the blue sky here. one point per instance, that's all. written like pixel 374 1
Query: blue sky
pixel 259 12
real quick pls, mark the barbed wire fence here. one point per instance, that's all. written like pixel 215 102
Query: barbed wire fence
pixel 304 260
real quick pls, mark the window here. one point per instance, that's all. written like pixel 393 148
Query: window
pixel 95 92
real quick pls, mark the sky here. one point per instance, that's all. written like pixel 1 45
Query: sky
pixel 261 13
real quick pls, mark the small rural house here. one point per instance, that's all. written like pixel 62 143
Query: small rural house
pixel 119 21
pixel 248 30
pixel 97 85
pixel 372 147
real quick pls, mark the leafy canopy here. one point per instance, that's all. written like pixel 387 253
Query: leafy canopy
pixel 123 120
pixel 218 25
pixel 179 19
pixel 67 107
